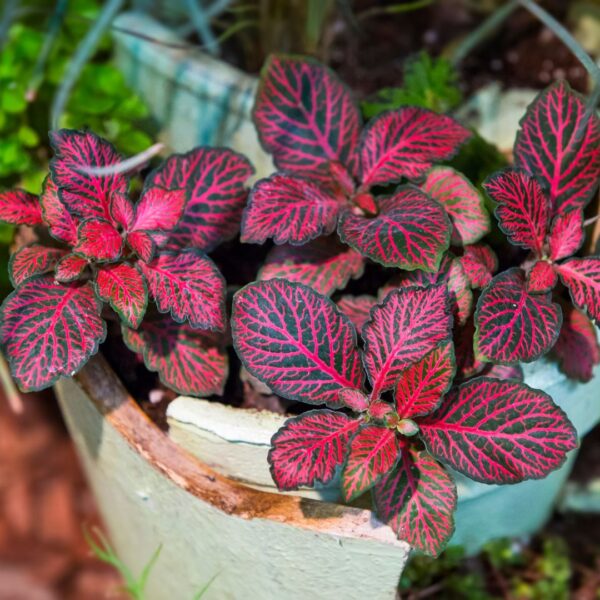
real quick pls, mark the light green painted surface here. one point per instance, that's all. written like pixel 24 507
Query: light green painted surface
pixel 254 558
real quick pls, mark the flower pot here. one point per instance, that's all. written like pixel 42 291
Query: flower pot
pixel 255 544
pixel 236 443
pixel 197 99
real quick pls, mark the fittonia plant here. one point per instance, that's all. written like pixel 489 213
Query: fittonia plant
pixel 298 343
pixel 432 385
pixel 103 248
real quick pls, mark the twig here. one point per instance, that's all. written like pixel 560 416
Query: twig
pixel 393 10
pixel 130 164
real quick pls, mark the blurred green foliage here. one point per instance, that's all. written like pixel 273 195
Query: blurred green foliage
pixel 504 569
pixel 428 82
pixel 100 100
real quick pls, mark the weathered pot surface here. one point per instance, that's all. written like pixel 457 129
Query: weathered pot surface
pixel 236 442
pixel 255 544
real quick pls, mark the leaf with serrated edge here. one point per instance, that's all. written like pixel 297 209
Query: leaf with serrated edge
pixel 124 288
pixel 98 240
pixel 324 265
pixel 405 143
pixel 19 207
pixel 566 235
pixel 295 341
pixel 373 452
pixel 480 263
pixel 422 385
pixel 542 277
pixel 304 115
pixel 69 268
pixel 357 309
pixel 513 325
pixel 214 180
pixel 523 209
pixel 577 346
pixel 410 232
pixel 463 203
pixel 499 432
pixel 188 361
pixel 309 448
pixel 289 208
pixel 32 260
pixel 84 194
pixel 559 143
pixel 402 330
pixel 49 330
pixel 61 224
pixel 189 286
pixel 417 499
pixel 582 277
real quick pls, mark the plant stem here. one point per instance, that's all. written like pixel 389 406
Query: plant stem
pixel 571 43
pixel 483 31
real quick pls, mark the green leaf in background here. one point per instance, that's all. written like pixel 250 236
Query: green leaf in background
pixel 428 82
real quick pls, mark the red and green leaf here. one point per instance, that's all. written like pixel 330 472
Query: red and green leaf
pixel 124 288
pixel 304 115
pixel 289 208
pixel 49 330
pixel 69 268
pixel 523 209
pixel 32 260
pixel 122 211
pixel 85 195
pixel 323 264
pixel 354 399
pixel 19 207
pixel 463 203
pixel 512 324
pixel 214 180
pixel 559 144
pixel 582 277
pixel 189 286
pixel 577 346
pixel 417 499
pixel 142 244
pixel 189 361
pixel 309 448
pixel 402 330
pixel 357 309
pixel 374 451
pixel 542 277
pixel 295 341
pixel 499 432
pixel 405 143
pixel 479 263
pixel 410 232
pixel 61 224
pixel 450 273
pixel 422 385
pixel 566 236
pixel 158 210
pixel 98 240
pixel 467 364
